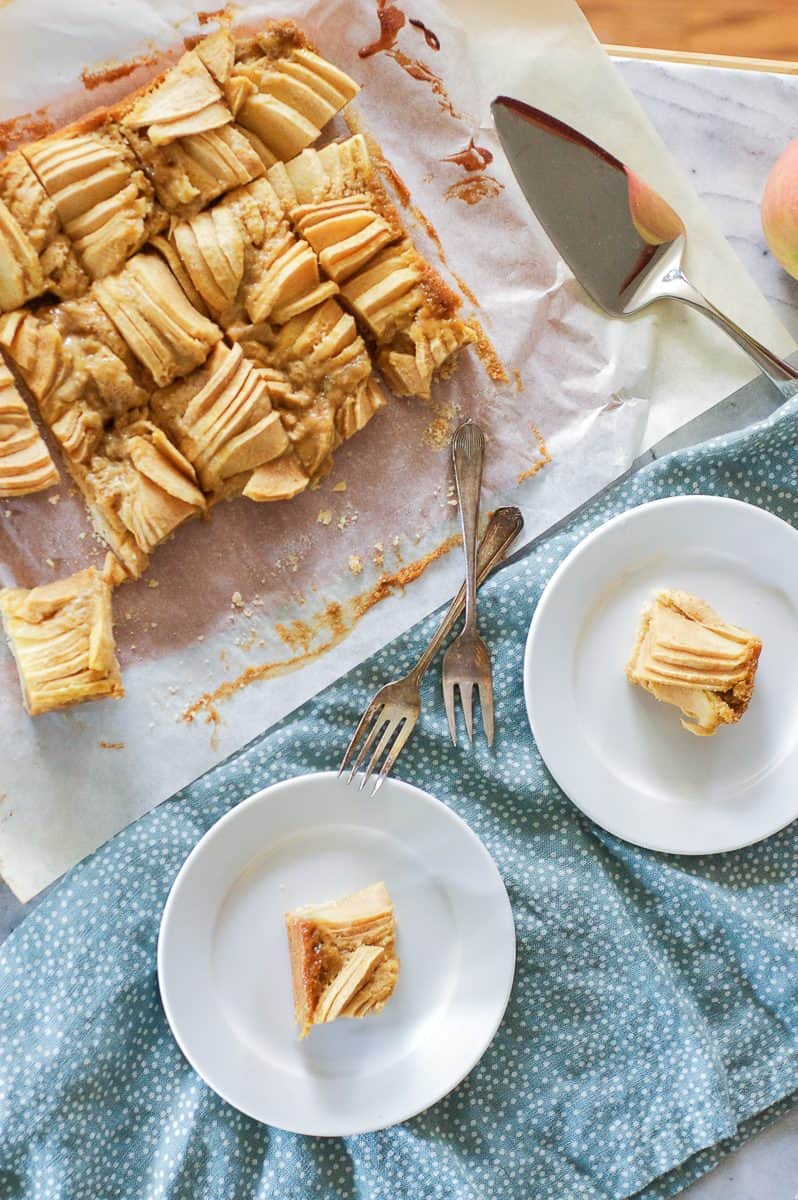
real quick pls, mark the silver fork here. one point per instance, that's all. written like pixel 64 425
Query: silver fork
pixel 466 663
pixel 396 707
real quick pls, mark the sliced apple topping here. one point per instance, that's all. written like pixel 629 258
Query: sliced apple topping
pixel 281 479
pixel 25 462
pixel 320 378
pixel 289 100
pixel 61 636
pixel 103 199
pixel 187 100
pixel 358 408
pixel 289 284
pixel 38 351
pixel 346 233
pixel 410 363
pixel 143 482
pixel 28 208
pixel 210 247
pixel 223 421
pixel 153 315
pixel 21 275
pixel 388 294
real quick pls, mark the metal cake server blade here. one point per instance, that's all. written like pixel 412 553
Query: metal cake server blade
pixel 622 240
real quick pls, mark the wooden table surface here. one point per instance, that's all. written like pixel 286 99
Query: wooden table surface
pixel 746 28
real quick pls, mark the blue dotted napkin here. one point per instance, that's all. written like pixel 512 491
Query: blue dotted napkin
pixel 653 1024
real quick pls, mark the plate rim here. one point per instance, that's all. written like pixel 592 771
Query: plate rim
pixel 684 499
pixel 470 1062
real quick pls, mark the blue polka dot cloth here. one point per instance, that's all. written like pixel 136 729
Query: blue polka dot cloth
pixel 652 1027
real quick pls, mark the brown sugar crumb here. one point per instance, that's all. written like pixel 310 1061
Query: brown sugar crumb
pixel 487 355
pixel 152 583
pixel 216 14
pixel 543 456
pixel 340 486
pixel 237 600
pixel 112 745
pixel 324 517
pixel 438 433
pixel 355 564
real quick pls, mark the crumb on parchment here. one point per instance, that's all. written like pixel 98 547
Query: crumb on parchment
pixel 237 600
pixel 324 517
pixel 355 564
pixel 340 486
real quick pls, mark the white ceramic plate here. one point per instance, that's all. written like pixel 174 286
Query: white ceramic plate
pixel 622 756
pixel 224 971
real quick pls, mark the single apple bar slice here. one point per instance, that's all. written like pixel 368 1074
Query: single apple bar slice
pixel 686 655
pixel 61 636
pixel 343 957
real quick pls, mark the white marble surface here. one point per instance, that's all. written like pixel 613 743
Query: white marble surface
pixel 726 128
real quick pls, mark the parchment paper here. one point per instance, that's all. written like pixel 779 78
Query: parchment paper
pixel 229 631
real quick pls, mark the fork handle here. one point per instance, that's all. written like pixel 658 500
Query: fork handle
pixel 468 451
pixel 503 528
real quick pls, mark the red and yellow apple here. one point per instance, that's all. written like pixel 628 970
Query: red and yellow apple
pixel 780 209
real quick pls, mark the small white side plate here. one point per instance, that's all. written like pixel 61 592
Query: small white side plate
pixel 622 756
pixel 224 971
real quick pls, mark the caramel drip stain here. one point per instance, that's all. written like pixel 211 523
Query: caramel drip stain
pixel 297 635
pixel 391 20
pixel 432 39
pixel 517 380
pixel 94 77
pixel 396 581
pixel 471 158
pixel 338 620
pixel 25 128
pixel 112 745
pixel 471 191
pixel 543 452
pixel 416 69
pixel 400 187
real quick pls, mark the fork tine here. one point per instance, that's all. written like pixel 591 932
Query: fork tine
pixel 376 725
pixel 388 732
pixel 486 704
pixel 395 751
pixel 466 698
pixel 368 713
pixel 448 702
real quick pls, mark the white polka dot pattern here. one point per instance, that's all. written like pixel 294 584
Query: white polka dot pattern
pixel 654 1019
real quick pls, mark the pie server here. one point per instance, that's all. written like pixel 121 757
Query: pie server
pixel 623 242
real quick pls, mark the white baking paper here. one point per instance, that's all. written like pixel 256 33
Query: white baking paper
pixel 262 606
